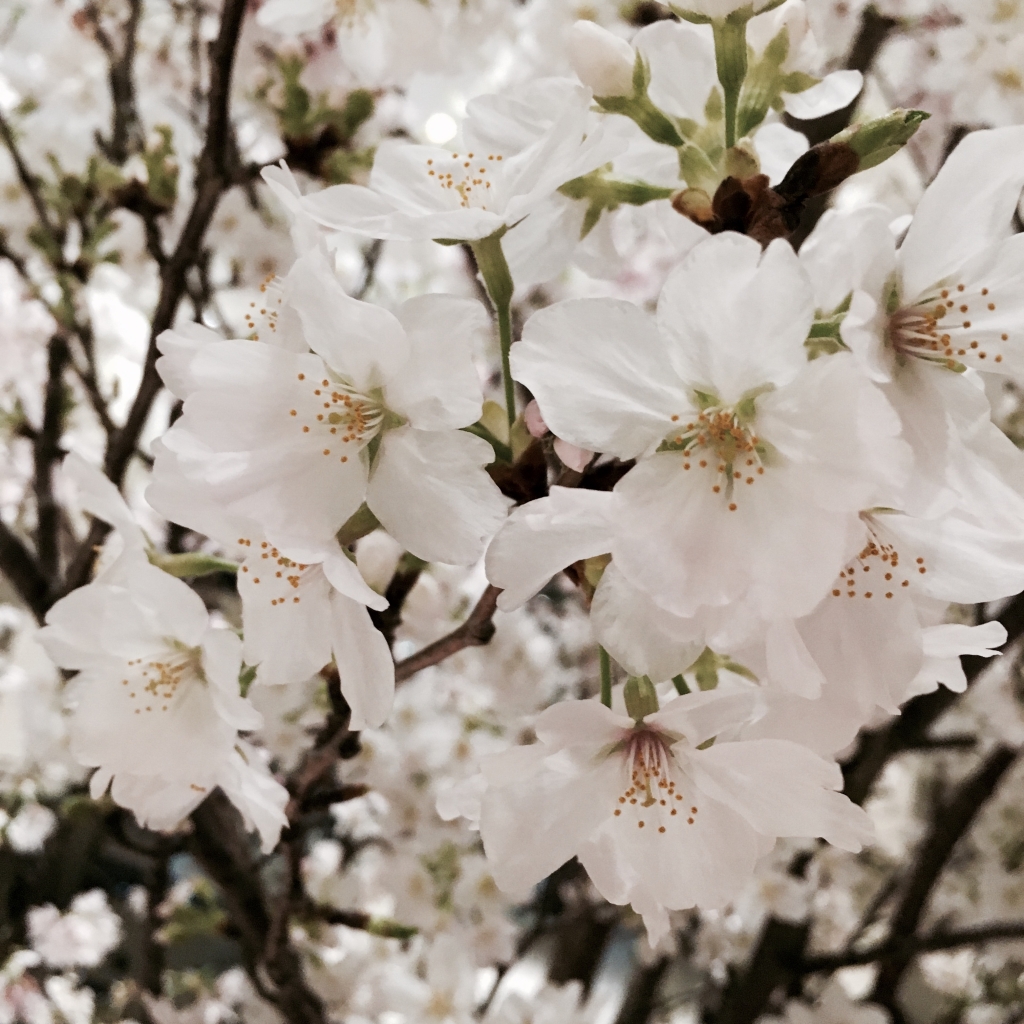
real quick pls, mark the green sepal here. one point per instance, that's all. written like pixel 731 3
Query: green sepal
pixel 641 698
pixel 191 563
pixel 875 141
pixel 359 524
pixel 246 677
pixel 645 114
pixel 502 451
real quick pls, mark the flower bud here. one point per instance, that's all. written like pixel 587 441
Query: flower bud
pixel 601 60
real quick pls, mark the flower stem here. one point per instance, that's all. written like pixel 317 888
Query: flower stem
pixel 498 281
pixel 731 60
pixel 505 338
pixel 606 676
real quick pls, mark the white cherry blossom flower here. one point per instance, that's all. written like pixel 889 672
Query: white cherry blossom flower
pixel 296 440
pixel 542 537
pixel 156 707
pixel 517 149
pixel 300 607
pixel 658 817
pixel 950 296
pixel 82 936
pixel 753 464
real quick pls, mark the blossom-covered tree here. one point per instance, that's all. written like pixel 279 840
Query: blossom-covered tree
pixel 511 511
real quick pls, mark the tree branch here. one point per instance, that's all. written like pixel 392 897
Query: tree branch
pixel 21 569
pixel 214 176
pixel 125 128
pixel 970 935
pixel 28 180
pixel 220 844
pixel 476 631
pixel 951 822
pixel 47 453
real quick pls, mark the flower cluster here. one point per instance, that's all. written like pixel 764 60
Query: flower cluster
pixel 528 331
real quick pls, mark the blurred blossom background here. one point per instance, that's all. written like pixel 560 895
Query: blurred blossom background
pixel 374 908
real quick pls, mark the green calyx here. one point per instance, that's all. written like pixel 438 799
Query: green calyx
pixel 641 698
pixel 359 524
pixel 875 141
pixel 603 193
pixel 825 335
pixel 191 563
pixel 706 668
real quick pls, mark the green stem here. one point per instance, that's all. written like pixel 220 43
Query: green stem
pixel 606 676
pixel 731 100
pixel 505 338
pixel 680 684
pixel 498 281
pixel 731 61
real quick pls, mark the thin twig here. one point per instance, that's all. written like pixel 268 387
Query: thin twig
pixel 28 180
pixel 476 631
pixel 971 935
pixel 215 174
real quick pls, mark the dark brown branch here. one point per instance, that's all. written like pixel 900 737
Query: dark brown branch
pixel 29 182
pixel 220 844
pixel 775 962
pixel 125 129
pixel 46 454
pixel 18 564
pixel 971 935
pixel 214 175
pixel 404 579
pixel 476 631
pixel 334 741
pixel 950 824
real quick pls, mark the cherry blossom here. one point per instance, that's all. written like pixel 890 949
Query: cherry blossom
pixel 659 818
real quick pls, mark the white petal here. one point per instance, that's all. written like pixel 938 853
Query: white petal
pixel 289 641
pixel 782 789
pixel 573 722
pixel 179 347
pixel 682 62
pixel 364 344
pixel 259 797
pixel 222 661
pixel 734 319
pixel 280 180
pixel 702 716
pixel 968 206
pixel 364 663
pixel 541 538
pixel 833 92
pixel 438 387
pixel 345 577
pixel 643 638
pixel 532 828
pixel 849 250
pixel 538 248
pixel 951 640
pixel 778 148
pixel 601 375
pixel 789 661
pixel 98 496
pixel 431 493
